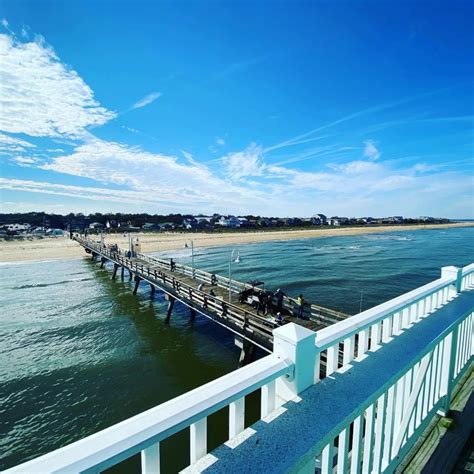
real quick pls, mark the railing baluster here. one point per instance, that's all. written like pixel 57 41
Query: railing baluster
pixel 236 417
pixel 332 359
pixel 348 351
pixel 198 440
pixel 151 459
pixel 389 418
pixel 342 448
pixel 327 458
pixel 268 398
pixel 379 433
pixel 375 337
pixel 363 343
pixel 368 433
pixel 356 445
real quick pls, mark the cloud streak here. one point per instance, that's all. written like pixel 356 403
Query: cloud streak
pixel 147 100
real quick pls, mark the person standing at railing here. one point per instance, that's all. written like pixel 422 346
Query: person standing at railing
pixel 172 265
pixel 279 295
pixel 300 302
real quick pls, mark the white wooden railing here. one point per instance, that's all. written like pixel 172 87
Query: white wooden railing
pixel 373 439
pixel 143 432
pixel 385 427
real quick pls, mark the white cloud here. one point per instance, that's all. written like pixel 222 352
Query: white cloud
pixel 220 141
pixel 370 151
pixel 148 99
pixel 157 176
pixel 13 144
pixel 40 96
pixel 4 23
pixel 248 162
pixel 25 161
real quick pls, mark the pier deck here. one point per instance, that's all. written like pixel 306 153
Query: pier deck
pixel 193 287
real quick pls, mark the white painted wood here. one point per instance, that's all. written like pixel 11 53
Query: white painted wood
pixel 268 398
pixel 348 351
pixel 375 337
pixel 363 343
pixel 342 448
pixel 198 440
pixel 368 436
pixel 387 328
pixel 420 377
pixel 356 451
pixel 236 417
pixel 389 418
pixel 332 359
pixel 150 458
pixel 327 459
pixel 379 433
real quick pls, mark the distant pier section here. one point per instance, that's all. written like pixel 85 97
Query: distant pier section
pixel 230 303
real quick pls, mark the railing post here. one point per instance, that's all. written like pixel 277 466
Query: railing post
pixel 448 365
pixel 296 344
pixel 454 273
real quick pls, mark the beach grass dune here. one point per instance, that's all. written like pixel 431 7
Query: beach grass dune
pixel 63 248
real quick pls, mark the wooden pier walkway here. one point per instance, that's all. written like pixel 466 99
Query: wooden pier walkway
pixel 192 287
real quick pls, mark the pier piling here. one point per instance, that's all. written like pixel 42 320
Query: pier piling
pixel 102 262
pixel 115 271
pixel 122 273
pixel 171 301
pixel 137 282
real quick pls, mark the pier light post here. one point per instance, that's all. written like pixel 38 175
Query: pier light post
pixel 192 253
pixel 236 260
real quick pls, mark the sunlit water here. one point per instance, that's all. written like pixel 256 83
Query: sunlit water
pixel 79 352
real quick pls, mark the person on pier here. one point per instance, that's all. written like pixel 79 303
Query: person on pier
pixel 300 302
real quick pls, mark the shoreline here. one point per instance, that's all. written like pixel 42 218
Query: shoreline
pixel 62 248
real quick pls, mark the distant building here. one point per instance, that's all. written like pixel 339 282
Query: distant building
pixel 338 221
pixel 150 227
pixel 96 225
pixel 319 219
pixel 190 223
pixel 231 222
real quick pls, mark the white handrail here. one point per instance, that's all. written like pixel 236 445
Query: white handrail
pixel 120 441
pixel 346 328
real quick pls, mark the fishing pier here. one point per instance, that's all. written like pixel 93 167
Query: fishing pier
pixel 228 302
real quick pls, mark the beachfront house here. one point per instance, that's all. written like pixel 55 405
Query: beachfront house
pixel 150 227
pixel 338 221
pixel 319 219
pixel 96 226
pixel 230 222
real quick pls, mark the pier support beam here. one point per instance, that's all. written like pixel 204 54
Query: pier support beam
pixel 247 351
pixel 130 274
pixel 93 255
pixel 114 274
pixel 102 262
pixel 137 282
pixel 152 290
pixel 192 312
pixel 171 301
pixel 122 273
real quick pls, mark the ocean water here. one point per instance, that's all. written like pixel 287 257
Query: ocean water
pixel 79 352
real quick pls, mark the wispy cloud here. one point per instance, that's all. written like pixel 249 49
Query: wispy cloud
pixel 370 151
pixel 40 96
pixel 147 100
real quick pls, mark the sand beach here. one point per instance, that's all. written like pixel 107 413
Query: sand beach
pixel 57 248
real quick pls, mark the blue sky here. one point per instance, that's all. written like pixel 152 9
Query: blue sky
pixel 272 108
